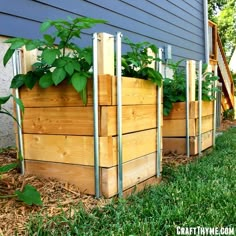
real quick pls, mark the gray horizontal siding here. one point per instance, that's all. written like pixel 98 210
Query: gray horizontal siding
pixel 175 22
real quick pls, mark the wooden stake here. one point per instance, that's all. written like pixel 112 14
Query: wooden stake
pixel 28 59
pixel 192 80
pixel 151 54
pixel 106 54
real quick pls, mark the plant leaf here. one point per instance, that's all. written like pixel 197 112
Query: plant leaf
pixel 8 56
pixel 49 39
pixel 30 80
pixel 46 80
pixel 18 43
pixel 19 103
pixel 69 68
pixel 29 195
pixel 79 81
pixel 32 44
pixel 83 95
pixel 58 75
pixel 8 167
pixel 6 112
pixel 76 65
pixel 60 62
pixel 18 81
pixel 49 55
pixel 45 26
pixel 3 100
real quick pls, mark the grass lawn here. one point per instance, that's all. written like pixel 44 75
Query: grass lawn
pixel 202 193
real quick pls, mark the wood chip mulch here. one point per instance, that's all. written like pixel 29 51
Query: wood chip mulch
pixel 56 196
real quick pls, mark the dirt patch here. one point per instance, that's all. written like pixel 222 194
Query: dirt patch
pixel 226 124
pixel 56 196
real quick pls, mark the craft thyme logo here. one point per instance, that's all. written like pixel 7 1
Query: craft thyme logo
pixel 204 231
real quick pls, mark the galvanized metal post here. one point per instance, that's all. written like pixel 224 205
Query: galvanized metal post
pixel 159 116
pixel 95 115
pixel 200 108
pixel 16 61
pixel 214 110
pixel 119 112
pixel 187 110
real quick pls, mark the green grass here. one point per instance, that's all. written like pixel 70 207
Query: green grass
pixel 201 193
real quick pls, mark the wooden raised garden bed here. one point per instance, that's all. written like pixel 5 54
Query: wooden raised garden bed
pixel 174 128
pixel 58 133
pixel 174 125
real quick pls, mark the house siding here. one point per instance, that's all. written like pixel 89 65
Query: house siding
pixel 175 22
pixel 179 23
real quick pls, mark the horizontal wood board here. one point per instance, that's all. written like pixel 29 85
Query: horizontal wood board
pixel 134 172
pixel 80 149
pixel 179 110
pixel 178 145
pixel 177 127
pixel 134 91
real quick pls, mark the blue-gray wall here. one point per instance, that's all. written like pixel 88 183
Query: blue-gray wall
pixel 176 22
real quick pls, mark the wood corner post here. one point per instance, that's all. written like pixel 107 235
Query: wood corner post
pixel 192 80
pixel 106 54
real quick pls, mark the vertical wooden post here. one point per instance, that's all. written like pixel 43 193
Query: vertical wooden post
pixel 192 80
pixel 151 54
pixel 28 59
pixel 106 54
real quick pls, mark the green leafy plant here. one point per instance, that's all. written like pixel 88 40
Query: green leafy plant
pixel 8 167
pixel 208 87
pixel 228 114
pixel 136 63
pixel 4 111
pixel 60 58
pixel 174 89
pixel 28 195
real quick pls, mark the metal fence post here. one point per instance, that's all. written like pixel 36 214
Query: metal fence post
pixel 214 102
pixel 200 108
pixel 159 116
pixel 119 112
pixel 187 110
pixel 95 116
pixel 16 61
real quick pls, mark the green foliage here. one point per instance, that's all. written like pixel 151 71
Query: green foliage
pixel 136 63
pixel 174 89
pixel 201 193
pixel 4 111
pixel 56 63
pixel 29 195
pixel 223 13
pixel 228 114
pixel 208 88
pixel 8 167
pixel 214 6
